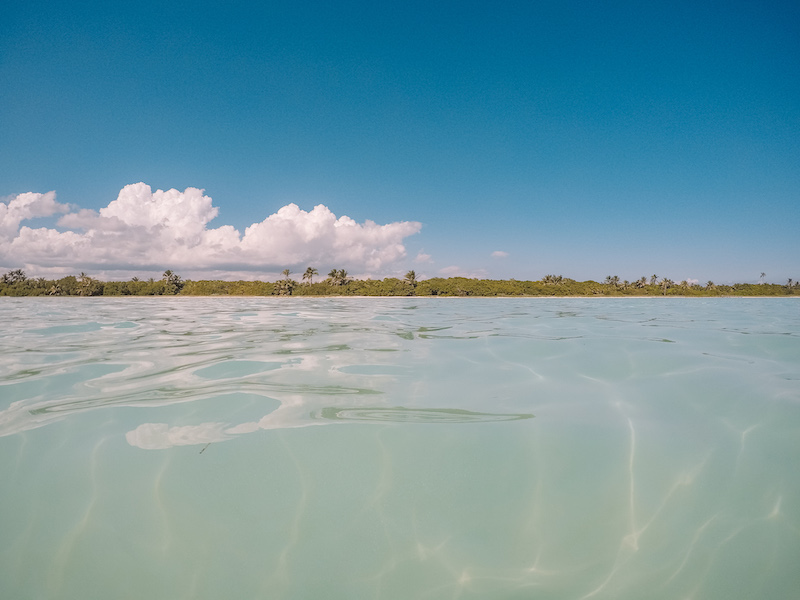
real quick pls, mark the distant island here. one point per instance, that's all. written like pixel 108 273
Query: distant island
pixel 338 283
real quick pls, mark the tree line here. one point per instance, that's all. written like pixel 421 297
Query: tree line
pixel 339 283
pixel 17 283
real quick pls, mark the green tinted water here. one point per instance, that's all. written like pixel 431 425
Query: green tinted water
pixel 399 448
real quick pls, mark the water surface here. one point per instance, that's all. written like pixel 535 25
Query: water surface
pixel 399 448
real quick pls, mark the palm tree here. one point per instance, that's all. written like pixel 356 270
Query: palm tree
pixel 338 277
pixel 411 277
pixel 309 275
pixel 285 285
pixel 172 282
pixel 710 285
pixel 653 279
pixel 665 285
pixel 762 277
pixel 15 276
pixel 552 279
pixel 86 285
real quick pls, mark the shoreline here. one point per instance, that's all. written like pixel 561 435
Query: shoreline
pixel 426 297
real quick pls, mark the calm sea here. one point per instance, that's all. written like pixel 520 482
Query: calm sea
pixel 165 448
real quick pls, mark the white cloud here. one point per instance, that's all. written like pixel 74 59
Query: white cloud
pixel 499 254
pixel 456 271
pixel 26 206
pixel 423 258
pixel 143 230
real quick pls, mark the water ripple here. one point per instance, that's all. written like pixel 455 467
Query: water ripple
pixel 399 414
pixel 661 459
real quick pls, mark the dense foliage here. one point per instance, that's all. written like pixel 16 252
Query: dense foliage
pixel 338 283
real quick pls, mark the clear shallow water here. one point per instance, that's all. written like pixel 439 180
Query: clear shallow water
pixel 399 448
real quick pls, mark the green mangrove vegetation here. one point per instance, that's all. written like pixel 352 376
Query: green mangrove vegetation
pixel 339 283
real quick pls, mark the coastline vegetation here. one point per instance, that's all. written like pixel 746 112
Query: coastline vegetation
pixel 339 283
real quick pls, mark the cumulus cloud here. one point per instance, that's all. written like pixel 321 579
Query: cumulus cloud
pixel 423 258
pixel 143 229
pixel 24 207
pixel 499 254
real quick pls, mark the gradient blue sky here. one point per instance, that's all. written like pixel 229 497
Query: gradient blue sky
pixel 581 138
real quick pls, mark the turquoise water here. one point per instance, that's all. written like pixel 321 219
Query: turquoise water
pixel 399 448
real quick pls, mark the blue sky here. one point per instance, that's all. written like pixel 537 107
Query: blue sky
pixel 578 138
